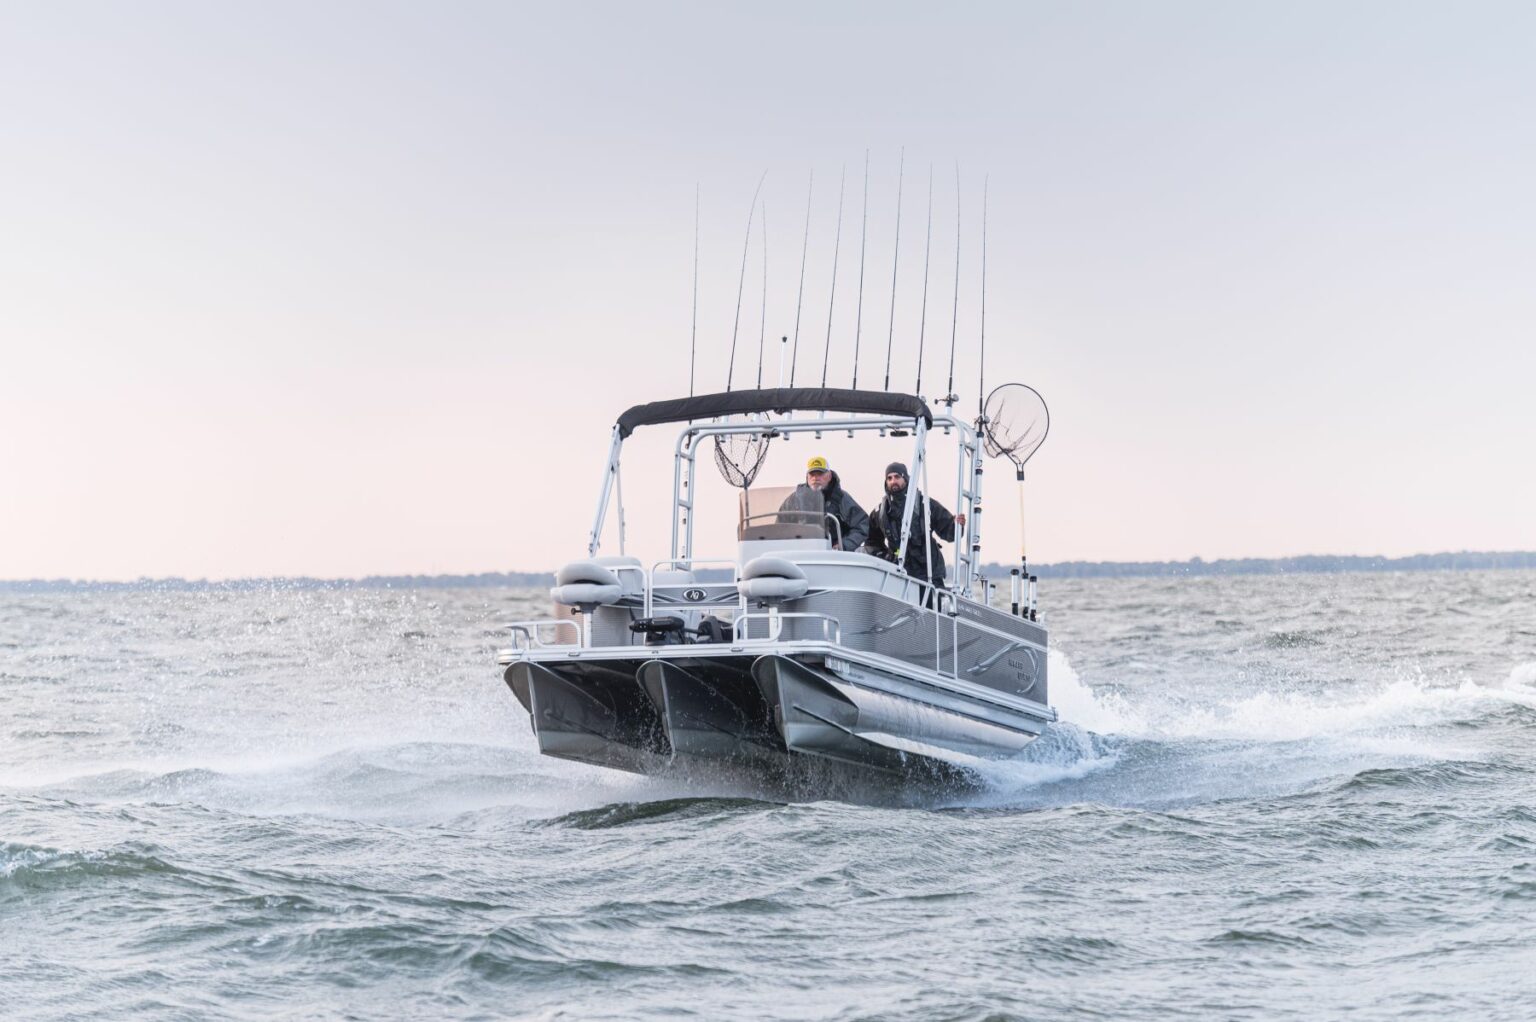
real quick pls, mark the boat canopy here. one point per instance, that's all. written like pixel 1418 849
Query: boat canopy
pixel 778 399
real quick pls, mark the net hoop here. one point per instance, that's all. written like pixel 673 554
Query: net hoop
pixel 1015 422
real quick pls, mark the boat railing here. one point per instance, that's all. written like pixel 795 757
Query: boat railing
pixel 621 569
pixel 831 627
pixel 534 634
pixel 531 638
pixel 687 564
pixel 946 618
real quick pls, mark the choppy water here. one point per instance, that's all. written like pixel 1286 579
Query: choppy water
pixel 1278 798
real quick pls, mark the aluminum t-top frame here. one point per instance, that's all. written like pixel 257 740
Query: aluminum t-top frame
pixel 967 495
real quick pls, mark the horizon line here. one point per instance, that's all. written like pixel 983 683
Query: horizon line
pixel 1469 560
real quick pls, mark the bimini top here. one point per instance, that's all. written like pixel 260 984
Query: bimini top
pixel 779 399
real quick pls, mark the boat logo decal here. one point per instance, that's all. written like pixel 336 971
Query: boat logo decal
pixel 694 595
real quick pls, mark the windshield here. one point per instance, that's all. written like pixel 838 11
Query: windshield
pixel 782 512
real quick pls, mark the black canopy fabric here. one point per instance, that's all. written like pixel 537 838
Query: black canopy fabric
pixel 779 399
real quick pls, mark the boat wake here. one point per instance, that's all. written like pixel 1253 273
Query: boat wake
pixel 1161 748
pixel 1116 745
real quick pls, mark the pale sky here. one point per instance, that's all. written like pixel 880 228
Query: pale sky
pixel 350 288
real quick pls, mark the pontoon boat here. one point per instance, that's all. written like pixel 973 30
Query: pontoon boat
pixel 789 646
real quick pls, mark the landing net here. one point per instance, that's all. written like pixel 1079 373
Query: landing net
pixel 1017 422
pixel 740 457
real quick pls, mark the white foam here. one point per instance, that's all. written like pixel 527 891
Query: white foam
pixel 1247 737
pixel 1522 676
pixel 1291 715
pixel 14 857
pixel 1065 752
pixel 1101 712
pixel 1282 713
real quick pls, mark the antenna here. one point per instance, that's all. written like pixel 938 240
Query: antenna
pixel 981 369
pixel 837 242
pixel 730 372
pixel 922 323
pixel 890 334
pixel 800 296
pixel 858 321
pixel 693 342
pixel 762 326
pixel 954 323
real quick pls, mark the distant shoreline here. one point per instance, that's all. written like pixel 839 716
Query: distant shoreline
pixel 1309 564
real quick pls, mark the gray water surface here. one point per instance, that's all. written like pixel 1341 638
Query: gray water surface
pixel 1270 798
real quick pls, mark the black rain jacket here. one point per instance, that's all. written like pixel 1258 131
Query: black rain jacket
pixel 853 523
pixel 885 534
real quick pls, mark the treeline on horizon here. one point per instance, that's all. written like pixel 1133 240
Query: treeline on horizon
pixel 1195 567
pixel 1304 564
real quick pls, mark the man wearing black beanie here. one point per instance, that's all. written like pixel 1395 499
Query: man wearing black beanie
pixel 923 560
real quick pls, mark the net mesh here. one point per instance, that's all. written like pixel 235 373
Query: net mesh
pixel 1017 422
pixel 740 457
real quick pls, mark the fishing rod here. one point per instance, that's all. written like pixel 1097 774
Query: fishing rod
pixel 981 368
pixel 693 342
pixel 954 323
pixel 800 295
pixel 858 321
pixel 922 323
pixel 890 334
pixel 742 280
pixel 837 242
pixel 762 327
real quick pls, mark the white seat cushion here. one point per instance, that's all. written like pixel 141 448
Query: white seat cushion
pixel 575 594
pixel 774 588
pixel 771 567
pixel 586 571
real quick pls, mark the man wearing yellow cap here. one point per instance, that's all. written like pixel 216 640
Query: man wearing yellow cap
pixel 820 480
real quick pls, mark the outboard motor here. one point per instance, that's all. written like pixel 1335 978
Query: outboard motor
pixel 666 630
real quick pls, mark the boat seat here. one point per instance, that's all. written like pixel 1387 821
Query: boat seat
pixel 628 570
pixel 773 579
pixel 586 584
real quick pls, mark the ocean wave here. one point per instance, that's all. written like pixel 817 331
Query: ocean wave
pixel 1077 703
pixel 407 781
pixel 1292 639
pixel 1064 752
pixel 1288 711
pixel 1425 775
pixel 1260 937
pixel 35 867
pixel 1522 676
pixel 624 814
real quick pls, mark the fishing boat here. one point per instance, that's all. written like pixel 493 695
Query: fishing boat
pixel 790 648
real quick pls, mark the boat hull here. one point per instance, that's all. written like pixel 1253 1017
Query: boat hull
pixel 761 714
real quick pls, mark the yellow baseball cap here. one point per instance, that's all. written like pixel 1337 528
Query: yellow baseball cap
pixel 817 464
